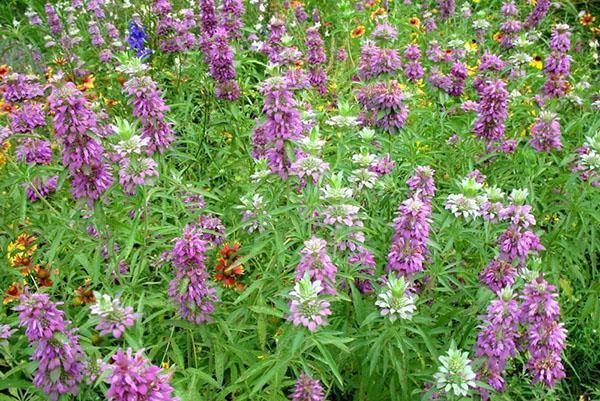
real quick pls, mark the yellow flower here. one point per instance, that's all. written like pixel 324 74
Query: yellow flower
pixel 87 83
pixel 165 365
pixel 413 36
pixel 471 70
pixel 536 63
pixel 497 36
pixel 358 31
pixel 471 46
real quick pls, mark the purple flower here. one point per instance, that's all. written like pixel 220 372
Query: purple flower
pixel 315 57
pixel 212 229
pixel 546 133
pixel 421 182
pixel 18 87
pixel 208 18
pixel 498 274
pixel 375 61
pixel 317 264
pixel 497 340
pixel 231 14
pixel 221 57
pixel 134 172
pixel 447 8
pixel 307 389
pixel 227 90
pixel 492 112
pixel 44 188
pixel 32 151
pixel 27 118
pixel 60 359
pixel 190 288
pixel 306 306
pixel 149 107
pixel 75 125
pixel 409 244
pixel 382 105
pixel 282 124
pixel 133 378
pixel 384 32
pixel 546 338
pixel 53 20
pixel 342 55
pixel 113 317
pixel 538 13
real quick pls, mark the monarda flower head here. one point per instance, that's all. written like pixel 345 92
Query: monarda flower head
pixel 317 264
pixel 231 14
pixel 282 124
pixel 492 112
pixel 41 187
pixel 546 337
pixel 409 244
pixel 27 117
pixel 149 106
pixel 545 133
pixel 395 301
pixel 60 359
pixel 307 308
pixel 315 57
pixel 307 389
pixel 497 340
pixel 113 317
pixel 208 18
pixel 19 87
pixel 34 151
pixel 538 13
pixel 190 288
pixel 455 374
pixel 132 377
pixel 383 105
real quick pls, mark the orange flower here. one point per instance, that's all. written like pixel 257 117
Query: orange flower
pixel 60 61
pixel 84 294
pixel 48 73
pixel 42 276
pixel 378 12
pixel 497 36
pixel 587 19
pixel 13 293
pixel 358 31
pixel 228 267
pixel 414 21
pixel 19 251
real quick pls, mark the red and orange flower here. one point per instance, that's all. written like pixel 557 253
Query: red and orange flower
pixel 228 267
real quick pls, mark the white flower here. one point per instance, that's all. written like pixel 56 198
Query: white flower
pixel 362 177
pixel 592 160
pixel 393 301
pixel 363 159
pixel 306 291
pixel 455 373
pixel 519 196
pixel 342 121
pixel 460 205
pixel 105 305
pixel 330 192
pixel 481 24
